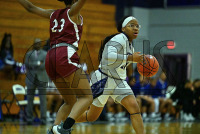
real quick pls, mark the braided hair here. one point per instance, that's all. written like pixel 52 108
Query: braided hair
pixel 119 29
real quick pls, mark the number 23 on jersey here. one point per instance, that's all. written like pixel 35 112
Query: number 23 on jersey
pixel 57 24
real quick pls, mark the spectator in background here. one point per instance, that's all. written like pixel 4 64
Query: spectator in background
pixel 155 102
pixel 178 100
pixel 115 112
pixel 7 50
pixel 165 103
pixel 47 45
pixel 162 84
pixel 189 101
pixel 145 101
pixel 132 83
pixel 196 85
pixel 36 78
pixel 6 56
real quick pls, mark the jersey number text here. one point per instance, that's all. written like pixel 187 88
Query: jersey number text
pixel 56 25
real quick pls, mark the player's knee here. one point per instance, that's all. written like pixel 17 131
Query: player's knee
pixel 69 103
pixel 89 98
pixel 133 107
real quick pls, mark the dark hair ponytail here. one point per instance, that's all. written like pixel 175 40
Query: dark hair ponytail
pixel 103 45
pixel 67 2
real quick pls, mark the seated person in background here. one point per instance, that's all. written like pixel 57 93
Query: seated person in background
pixel 147 104
pixel 7 62
pixel 196 85
pixel 7 50
pixel 6 55
pixel 131 81
pixel 158 91
pixel 188 101
pixel 177 98
pixel 140 85
pixel 115 111
pixel 54 101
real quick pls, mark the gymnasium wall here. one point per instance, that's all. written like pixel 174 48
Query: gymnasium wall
pixel 181 25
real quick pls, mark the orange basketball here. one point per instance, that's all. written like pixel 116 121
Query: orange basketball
pixel 149 67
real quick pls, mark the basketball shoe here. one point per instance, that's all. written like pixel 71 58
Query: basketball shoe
pixel 58 129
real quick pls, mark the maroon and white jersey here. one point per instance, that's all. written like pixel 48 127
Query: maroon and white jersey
pixel 63 29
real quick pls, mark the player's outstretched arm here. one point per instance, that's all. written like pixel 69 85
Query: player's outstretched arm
pixel 76 7
pixel 36 10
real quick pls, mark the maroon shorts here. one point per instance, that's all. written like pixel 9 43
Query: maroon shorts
pixel 61 62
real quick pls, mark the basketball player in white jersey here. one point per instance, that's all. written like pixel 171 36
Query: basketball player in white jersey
pixel 115 55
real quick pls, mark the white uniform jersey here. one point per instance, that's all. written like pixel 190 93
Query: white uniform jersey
pixel 114 57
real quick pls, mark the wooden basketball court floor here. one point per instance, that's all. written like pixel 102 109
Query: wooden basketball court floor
pixel 106 128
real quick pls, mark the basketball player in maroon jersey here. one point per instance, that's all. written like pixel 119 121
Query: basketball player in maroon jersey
pixel 62 60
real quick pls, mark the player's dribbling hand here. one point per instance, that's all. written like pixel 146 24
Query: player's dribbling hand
pixel 137 57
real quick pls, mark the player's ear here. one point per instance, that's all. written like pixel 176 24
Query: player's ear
pixel 123 29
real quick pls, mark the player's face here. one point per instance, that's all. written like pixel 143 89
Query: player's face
pixel 37 46
pixel 132 29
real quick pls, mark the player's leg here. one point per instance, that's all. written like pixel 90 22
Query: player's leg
pixel 84 94
pixel 130 103
pixel 95 109
pixel 90 115
pixel 69 100
pixel 124 95
pixel 59 102
pixel 98 104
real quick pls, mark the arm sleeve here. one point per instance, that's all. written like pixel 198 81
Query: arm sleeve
pixel 114 52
